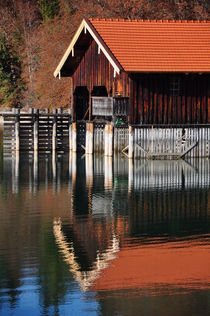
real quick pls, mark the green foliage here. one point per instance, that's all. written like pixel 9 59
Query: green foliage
pixel 49 8
pixel 10 75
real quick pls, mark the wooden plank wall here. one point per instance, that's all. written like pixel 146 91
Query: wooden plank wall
pixel 95 70
pixel 45 121
pixel 171 142
pixel 153 101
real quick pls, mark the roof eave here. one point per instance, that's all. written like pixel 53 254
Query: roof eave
pixel 87 26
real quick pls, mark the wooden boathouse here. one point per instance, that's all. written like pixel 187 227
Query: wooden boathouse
pixel 162 67
pixel 153 75
pixel 138 86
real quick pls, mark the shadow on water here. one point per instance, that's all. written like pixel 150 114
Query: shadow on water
pixel 80 234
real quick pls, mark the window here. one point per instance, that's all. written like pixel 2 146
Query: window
pixel 175 86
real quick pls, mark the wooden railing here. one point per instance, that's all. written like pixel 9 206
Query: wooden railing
pixel 120 106
pixel 108 106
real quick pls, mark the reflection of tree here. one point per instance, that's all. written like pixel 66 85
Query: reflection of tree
pixel 10 280
pixel 28 238
pixel 54 276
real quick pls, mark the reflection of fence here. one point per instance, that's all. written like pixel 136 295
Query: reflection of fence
pixel 150 175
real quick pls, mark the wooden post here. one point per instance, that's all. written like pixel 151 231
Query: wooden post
pixel 54 131
pixel 131 143
pixel 89 138
pixel 108 140
pixel 17 129
pixel 60 127
pixel 90 107
pixel 74 137
pixel 48 128
pixel 70 131
pixel 36 129
pixel 70 136
pixel 116 141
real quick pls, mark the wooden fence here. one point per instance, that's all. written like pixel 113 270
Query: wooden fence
pixel 36 131
pixel 46 132
pixel 171 142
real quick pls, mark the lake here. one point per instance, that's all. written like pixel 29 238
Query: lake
pixel 83 235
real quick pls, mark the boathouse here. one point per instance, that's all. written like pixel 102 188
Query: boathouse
pixel 139 87
pixel 147 71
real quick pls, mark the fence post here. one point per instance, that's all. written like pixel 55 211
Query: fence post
pixel 116 141
pixel 17 129
pixel 60 127
pixel 89 138
pixel 70 131
pixel 74 137
pixel 54 131
pixel 36 128
pixel 48 128
pixel 111 140
pixel 131 143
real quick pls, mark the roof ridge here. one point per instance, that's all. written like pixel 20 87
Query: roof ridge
pixel 148 20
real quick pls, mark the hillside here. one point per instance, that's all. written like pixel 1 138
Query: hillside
pixel 35 33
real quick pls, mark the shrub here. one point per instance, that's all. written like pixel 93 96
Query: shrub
pixel 49 8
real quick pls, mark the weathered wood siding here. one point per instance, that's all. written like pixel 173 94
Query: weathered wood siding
pixel 95 70
pixel 154 100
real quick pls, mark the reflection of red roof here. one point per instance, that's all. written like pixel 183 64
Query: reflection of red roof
pixel 172 46
pixel 175 265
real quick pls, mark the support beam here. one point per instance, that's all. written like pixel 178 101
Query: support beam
pixel 89 138
pixel 17 129
pixel 70 136
pixel 54 131
pixel 74 137
pixel 108 140
pixel 131 143
pixel 36 129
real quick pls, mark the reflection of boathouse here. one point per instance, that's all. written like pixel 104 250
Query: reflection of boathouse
pixel 169 212
pixel 125 208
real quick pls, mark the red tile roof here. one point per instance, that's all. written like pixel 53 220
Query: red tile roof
pixel 150 45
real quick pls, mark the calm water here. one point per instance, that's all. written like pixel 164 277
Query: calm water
pixel 83 236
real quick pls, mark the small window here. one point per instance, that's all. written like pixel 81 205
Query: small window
pixel 175 86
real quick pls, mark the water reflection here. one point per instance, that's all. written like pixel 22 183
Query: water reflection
pixel 76 226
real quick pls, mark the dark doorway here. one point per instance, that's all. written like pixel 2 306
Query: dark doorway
pixel 99 91
pixel 81 103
